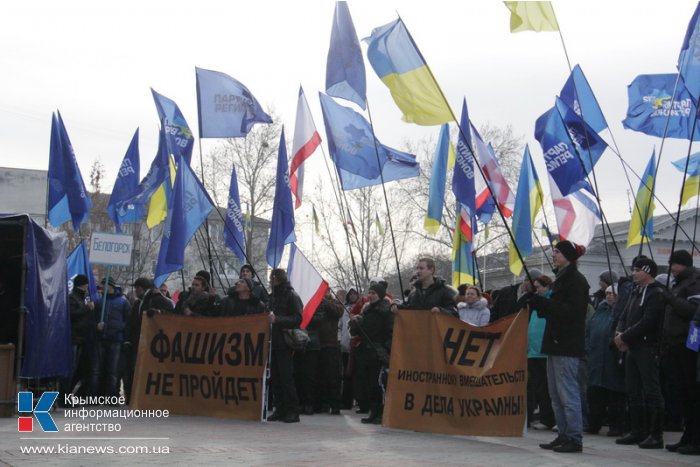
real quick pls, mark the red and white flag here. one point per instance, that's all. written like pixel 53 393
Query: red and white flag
pixel 307 282
pixel 492 171
pixel 306 140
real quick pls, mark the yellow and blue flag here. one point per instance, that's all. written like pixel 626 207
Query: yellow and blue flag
pixel 528 201
pixel 463 271
pixel 642 224
pixel 179 134
pixel 345 68
pixel 401 67
pixel 691 188
pixel 158 204
pixel 436 197
pixel 532 16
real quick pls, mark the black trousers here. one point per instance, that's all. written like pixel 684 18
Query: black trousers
pixel 347 395
pixel 642 378
pixel 329 363
pixel 602 401
pixel 282 381
pixel 684 363
pixel 538 391
pixel 307 377
pixel 368 377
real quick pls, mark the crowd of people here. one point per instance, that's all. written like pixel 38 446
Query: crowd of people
pixel 615 358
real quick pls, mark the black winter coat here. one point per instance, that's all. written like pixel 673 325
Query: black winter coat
pixel 679 310
pixel 565 312
pixel 116 313
pixel 82 321
pixel 374 328
pixel 201 305
pixel 152 300
pixel 287 306
pixel 641 321
pixel 231 305
pixel 437 295
pixel 330 312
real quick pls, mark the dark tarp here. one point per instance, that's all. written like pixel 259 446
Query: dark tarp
pixel 47 341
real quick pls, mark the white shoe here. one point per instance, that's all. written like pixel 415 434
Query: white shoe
pixel 555 429
pixel 538 425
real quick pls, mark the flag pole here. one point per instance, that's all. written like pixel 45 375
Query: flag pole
pixel 695 224
pixel 206 220
pixel 386 198
pixel 466 140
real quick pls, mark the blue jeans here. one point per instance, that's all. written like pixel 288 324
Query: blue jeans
pixel 562 380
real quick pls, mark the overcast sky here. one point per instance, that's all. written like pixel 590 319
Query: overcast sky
pixel 96 62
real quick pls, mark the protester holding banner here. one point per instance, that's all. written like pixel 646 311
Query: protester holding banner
pixel 681 303
pixel 563 342
pixel 241 300
pixel 373 327
pixel 287 308
pixel 110 337
pixel 258 290
pixel 638 334
pixel 431 292
pixel 198 300
pixel 606 375
pixel 537 390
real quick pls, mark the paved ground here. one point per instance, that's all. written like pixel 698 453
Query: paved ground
pixel 317 440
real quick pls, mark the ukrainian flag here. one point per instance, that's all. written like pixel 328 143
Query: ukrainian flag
pixel 643 208
pixel 691 188
pixel 400 65
pixel 528 201
pixel 436 193
pixel 532 16
pixel 158 205
pixel 463 271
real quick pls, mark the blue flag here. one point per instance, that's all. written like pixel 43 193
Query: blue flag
pixel 588 144
pixel 398 166
pixel 234 230
pixel 578 95
pixel 345 68
pixel 67 197
pixel 436 192
pixel 651 102
pixel 227 109
pixel 158 173
pixel 351 141
pixel 178 131
pixel 463 175
pixel 561 158
pixel 126 184
pixel 188 207
pixel 282 227
pixel 689 58
pixel 78 262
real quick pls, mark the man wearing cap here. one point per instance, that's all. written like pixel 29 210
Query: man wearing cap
pixel 638 335
pixel 241 301
pixel 82 326
pixel 110 337
pixel 563 343
pixel 605 280
pixel 681 303
pixel 258 290
pixel 149 300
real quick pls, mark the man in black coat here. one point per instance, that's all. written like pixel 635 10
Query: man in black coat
pixel 82 326
pixel 564 343
pixel 681 303
pixel 240 300
pixel 638 334
pixel 431 292
pixel 287 308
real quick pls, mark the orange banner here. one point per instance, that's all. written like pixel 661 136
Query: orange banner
pixel 447 376
pixel 202 366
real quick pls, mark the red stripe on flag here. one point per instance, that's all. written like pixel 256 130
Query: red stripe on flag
pixel 313 304
pixel 305 151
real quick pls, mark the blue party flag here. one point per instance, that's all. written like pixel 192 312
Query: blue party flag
pixel 227 109
pixel 588 144
pixel 176 127
pixel 436 193
pixel 345 68
pixel 578 95
pixel 78 262
pixel 188 207
pixel 398 166
pixel 127 181
pixel 689 57
pixel 282 227
pixel 67 197
pixel 463 174
pixel 234 230
pixel 561 158
pixel 650 103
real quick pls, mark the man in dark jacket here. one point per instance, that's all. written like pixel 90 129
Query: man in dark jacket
pixel 240 300
pixel 110 337
pixel 638 335
pixel 430 293
pixel 511 298
pixel 287 308
pixel 681 303
pixel 374 328
pixel 149 300
pixel 563 342
pixel 258 290
pixel 330 311
pixel 82 326
pixel 199 300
